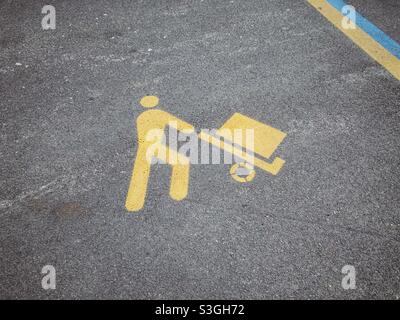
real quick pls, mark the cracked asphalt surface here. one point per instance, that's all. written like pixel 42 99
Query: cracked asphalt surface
pixel 69 101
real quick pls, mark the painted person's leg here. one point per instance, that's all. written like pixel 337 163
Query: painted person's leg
pixel 179 184
pixel 139 181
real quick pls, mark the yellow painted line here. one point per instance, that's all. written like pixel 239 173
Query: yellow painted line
pixel 360 37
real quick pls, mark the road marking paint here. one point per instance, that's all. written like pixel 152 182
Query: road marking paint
pixel 149 101
pixel 242 179
pixel 150 120
pixel 274 167
pixel 264 141
pixel 379 36
pixel 372 40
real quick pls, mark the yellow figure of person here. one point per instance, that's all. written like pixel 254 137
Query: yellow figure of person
pixel 148 122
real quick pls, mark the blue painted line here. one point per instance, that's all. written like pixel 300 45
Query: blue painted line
pixel 382 38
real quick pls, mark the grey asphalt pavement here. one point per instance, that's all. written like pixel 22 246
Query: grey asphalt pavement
pixel 69 102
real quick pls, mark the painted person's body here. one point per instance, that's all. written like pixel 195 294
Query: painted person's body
pixel 157 120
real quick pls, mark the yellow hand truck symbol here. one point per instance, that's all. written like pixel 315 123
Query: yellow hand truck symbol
pixel 266 141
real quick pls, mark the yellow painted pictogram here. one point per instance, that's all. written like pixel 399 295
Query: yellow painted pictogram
pixel 152 123
pixel 147 121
